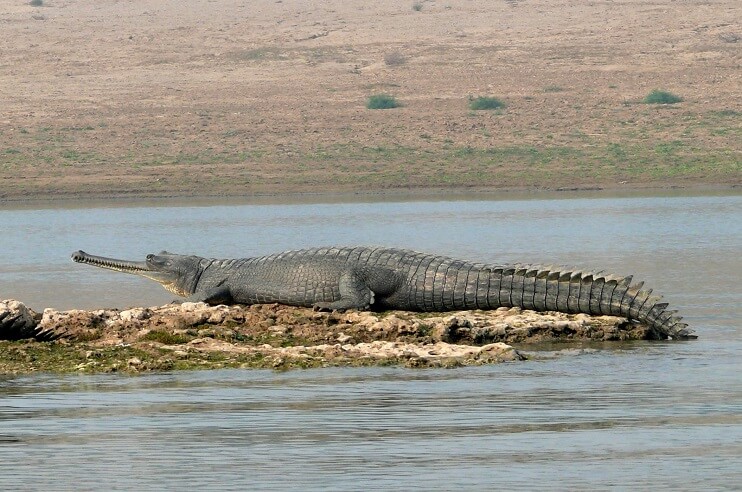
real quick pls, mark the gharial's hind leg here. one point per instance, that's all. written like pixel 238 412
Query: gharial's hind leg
pixel 354 294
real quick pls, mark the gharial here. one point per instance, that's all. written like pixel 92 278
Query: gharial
pixel 338 278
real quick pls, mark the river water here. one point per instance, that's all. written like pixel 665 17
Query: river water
pixel 660 416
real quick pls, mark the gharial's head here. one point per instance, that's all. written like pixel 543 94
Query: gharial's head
pixel 177 273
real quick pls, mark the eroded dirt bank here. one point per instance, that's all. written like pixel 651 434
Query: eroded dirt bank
pixel 195 335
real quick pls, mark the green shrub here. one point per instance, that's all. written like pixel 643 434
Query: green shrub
pixel 478 103
pixel 382 101
pixel 553 88
pixel 165 337
pixel 394 58
pixel 417 6
pixel 662 97
pixel 36 3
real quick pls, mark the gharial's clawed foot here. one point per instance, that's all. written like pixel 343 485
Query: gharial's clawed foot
pixel 324 307
pixel 335 308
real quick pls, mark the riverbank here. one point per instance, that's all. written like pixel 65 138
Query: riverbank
pixel 87 198
pixel 146 99
pixel 198 336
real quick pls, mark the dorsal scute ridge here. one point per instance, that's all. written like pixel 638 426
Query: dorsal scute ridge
pixel 664 317
pixel 626 281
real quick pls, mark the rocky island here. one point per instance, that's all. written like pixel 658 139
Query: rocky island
pixel 199 336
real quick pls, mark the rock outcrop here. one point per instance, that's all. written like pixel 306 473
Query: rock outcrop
pixel 288 336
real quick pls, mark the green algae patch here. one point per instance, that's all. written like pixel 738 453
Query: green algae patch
pixel 61 357
pixel 166 338
pixel 22 357
pixel 25 356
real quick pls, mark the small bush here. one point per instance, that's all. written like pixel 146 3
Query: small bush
pixel 662 97
pixel 417 6
pixel 165 337
pixel 730 37
pixel 36 3
pixel 478 103
pixel 553 88
pixel 394 58
pixel 382 101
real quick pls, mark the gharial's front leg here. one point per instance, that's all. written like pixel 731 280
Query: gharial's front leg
pixel 354 294
pixel 215 296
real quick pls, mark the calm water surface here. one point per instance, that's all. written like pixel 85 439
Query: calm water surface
pixel 637 416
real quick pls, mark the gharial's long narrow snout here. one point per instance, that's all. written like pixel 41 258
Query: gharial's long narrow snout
pixel 135 267
pixel 165 268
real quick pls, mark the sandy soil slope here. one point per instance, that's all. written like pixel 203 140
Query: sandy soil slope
pixel 235 97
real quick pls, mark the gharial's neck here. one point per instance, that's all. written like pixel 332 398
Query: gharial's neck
pixel 190 284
